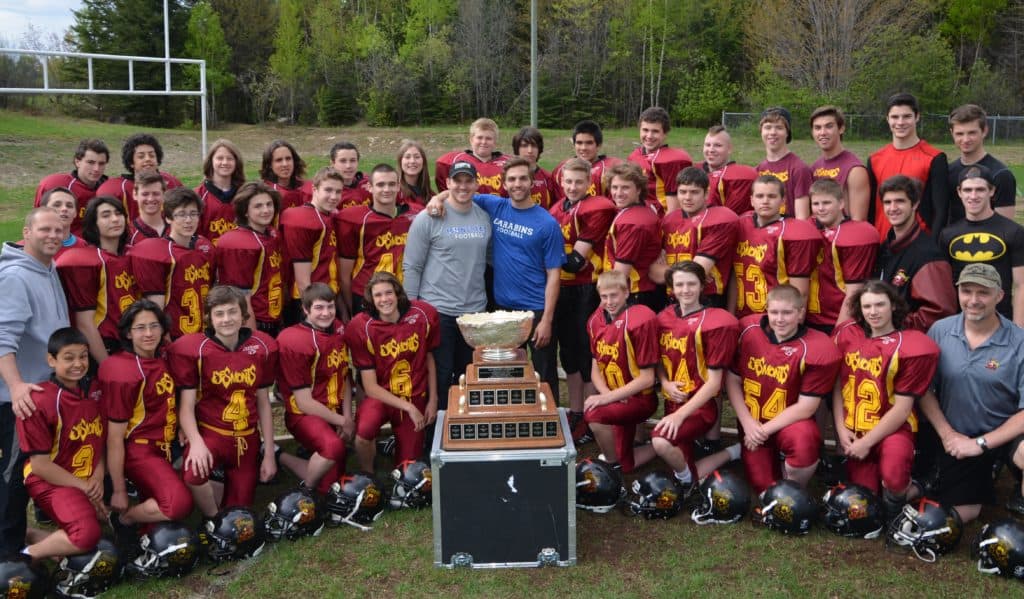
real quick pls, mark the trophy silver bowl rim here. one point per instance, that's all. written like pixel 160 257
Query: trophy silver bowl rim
pixel 503 332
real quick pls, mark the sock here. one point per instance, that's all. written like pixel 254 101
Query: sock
pixel 25 551
pixel 684 477
pixel 734 451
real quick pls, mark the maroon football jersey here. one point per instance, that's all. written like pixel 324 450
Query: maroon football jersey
pixel 585 220
pixel 794 174
pixel 292 197
pixel 218 211
pixel 225 380
pixel 356 193
pixel 308 235
pixel 598 184
pixel 140 230
pixel 836 168
pixel 123 188
pixel 875 369
pixel 710 233
pixel 181 274
pixel 139 391
pixel 730 186
pixel 544 191
pixel 313 359
pixel 661 168
pixel 624 345
pixel 95 279
pixel 634 238
pixel 775 374
pixel 252 261
pixel 67 426
pixel 82 192
pixel 375 240
pixel 396 351
pixel 848 257
pixel 692 344
pixel 769 255
pixel 489 174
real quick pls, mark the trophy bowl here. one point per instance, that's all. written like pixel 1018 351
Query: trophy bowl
pixel 496 334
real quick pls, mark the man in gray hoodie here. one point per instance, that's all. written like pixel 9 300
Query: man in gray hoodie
pixel 33 307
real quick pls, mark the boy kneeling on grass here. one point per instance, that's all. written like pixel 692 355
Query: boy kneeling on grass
pixel 64 439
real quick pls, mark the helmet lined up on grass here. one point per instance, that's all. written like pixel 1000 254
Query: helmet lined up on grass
pixel 852 510
pixel 294 514
pixel 234 533
pixel 928 527
pixel 355 500
pixel 169 549
pixel 413 485
pixel 999 549
pixel 598 486
pixel 88 574
pixel 787 508
pixel 656 495
pixel 724 499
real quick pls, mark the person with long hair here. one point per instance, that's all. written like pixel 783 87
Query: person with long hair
pixel 224 173
pixel 98 278
pixel 284 171
pixel 414 186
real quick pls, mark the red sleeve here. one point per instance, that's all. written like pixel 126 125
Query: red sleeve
pixel 297 239
pixel 821 366
pixel 596 217
pixel 149 266
pixel 268 374
pixel 858 255
pixel 441 168
pixel 632 239
pixel 720 338
pixel 434 319
pixel 355 339
pixel 347 224
pixel 79 274
pixel 718 239
pixel 183 361
pixel 295 357
pixel 847 335
pixel 171 180
pixel 36 433
pixel 801 243
pixel 918 358
pixel 237 262
pixel 672 168
pixel 645 337
pixel 119 389
pixel 932 288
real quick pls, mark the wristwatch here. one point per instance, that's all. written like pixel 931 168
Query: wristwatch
pixel 982 443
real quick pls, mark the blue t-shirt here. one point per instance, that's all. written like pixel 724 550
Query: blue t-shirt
pixel 526 242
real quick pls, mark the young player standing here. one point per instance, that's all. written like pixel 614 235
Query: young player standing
pixel 149 195
pixel 660 163
pixel 175 271
pixel 770 249
pixel 482 154
pixel 913 157
pixel 587 140
pixel 968 125
pixel 140 152
pixel 250 256
pixel 828 124
pixel 528 143
pixel 634 238
pixel 225 173
pixel 372 238
pixel 729 182
pixel 283 170
pixel 584 220
pixel 345 159
pixel 91 158
pixel 776 133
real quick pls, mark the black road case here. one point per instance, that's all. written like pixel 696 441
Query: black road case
pixel 504 508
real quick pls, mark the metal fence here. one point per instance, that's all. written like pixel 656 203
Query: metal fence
pixel 873 126
pixel 96 88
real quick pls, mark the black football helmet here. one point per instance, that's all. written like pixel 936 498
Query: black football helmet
pixel 598 486
pixel 234 533
pixel 20 578
pixel 852 510
pixel 355 500
pixel 294 514
pixel 929 528
pixel 999 548
pixel 413 485
pixel 787 508
pixel 88 574
pixel 656 495
pixel 724 499
pixel 169 549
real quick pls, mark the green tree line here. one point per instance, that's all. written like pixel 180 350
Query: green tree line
pixel 405 62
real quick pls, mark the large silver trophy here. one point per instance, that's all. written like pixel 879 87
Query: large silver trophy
pixel 497 335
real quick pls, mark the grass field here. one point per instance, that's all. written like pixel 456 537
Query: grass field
pixel 619 556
